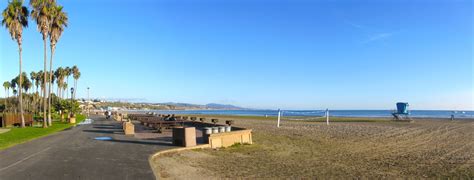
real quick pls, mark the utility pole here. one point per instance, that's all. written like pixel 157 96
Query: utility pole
pixel 88 102
pixel 72 102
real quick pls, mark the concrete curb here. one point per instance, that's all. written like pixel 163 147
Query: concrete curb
pixel 174 150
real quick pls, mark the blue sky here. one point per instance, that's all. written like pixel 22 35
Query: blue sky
pixel 290 54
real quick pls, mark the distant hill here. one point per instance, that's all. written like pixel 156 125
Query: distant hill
pixel 209 106
pixel 222 106
pixel 167 106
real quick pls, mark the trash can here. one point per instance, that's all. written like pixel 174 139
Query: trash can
pixel 207 130
pixel 215 130
pixel 184 136
pixel 221 129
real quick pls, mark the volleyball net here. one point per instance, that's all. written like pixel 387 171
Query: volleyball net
pixel 303 115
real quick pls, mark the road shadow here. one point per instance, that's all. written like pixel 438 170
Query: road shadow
pixel 142 142
pixel 168 139
pixel 106 127
pixel 102 131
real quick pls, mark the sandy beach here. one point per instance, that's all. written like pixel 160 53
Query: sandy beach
pixel 425 148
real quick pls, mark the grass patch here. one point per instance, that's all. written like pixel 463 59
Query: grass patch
pixel 239 145
pixel 20 135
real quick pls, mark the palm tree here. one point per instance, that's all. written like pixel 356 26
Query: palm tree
pixel 15 18
pixel 39 78
pixel 26 84
pixel 58 22
pixel 13 84
pixel 76 75
pixel 59 74
pixel 33 77
pixel 6 85
pixel 64 88
pixel 41 14
pixel 53 78
pixel 35 86
pixel 67 73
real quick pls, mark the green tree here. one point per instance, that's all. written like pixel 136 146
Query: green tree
pixel 15 18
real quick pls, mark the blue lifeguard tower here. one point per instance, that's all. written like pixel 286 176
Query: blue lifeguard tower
pixel 402 113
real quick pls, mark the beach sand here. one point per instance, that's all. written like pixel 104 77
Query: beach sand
pixel 382 149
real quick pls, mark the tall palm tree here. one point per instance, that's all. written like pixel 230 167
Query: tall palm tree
pixel 76 75
pixel 26 85
pixel 35 86
pixel 13 84
pixel 67 73
pixel 6 85
pixel 41 14
pixel 39 78
pixel 58 20
pixel 33 77
pixel 40 81
pixel 56 76
pixel 53 78
pixel 59 74
pixel 15 18
pixel 64 88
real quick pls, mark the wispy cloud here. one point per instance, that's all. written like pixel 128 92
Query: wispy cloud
pixel 378 36
pixel 355 25
pixel 370 31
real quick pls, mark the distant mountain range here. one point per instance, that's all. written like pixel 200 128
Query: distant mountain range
pixel 165 106
pixel 210 106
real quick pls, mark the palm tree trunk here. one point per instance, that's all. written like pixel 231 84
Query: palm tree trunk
pixel 50 83
pixel 6 97
pixel 67 82
pixel 44 89
pixel 19 87
pixel 75 88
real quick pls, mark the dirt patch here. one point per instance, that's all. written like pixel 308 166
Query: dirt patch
pixel 178 166
pixel 423 149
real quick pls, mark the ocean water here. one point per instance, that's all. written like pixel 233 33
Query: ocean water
pixel 334 113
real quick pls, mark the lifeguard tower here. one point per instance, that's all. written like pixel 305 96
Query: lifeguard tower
pixel 402 113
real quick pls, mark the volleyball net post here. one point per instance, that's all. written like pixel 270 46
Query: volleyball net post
pixel 279 116
pixel 327 116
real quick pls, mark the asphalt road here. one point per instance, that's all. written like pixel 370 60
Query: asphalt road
pixel 74 154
